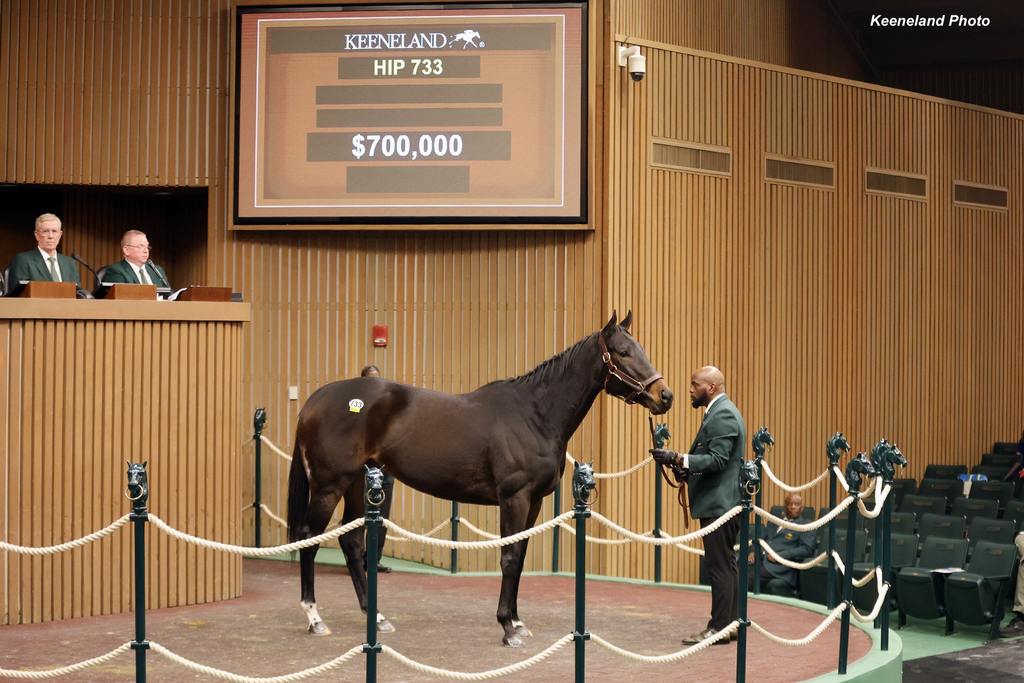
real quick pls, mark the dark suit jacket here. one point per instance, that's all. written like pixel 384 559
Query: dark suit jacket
pixel 29 265
pixel 715 458
pixel 796 546
pixel 122 271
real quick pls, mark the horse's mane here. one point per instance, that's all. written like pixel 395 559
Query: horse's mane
pixel 552 367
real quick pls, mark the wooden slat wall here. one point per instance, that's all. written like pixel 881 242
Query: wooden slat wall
pixel 828 309
pixel 79 398
pixel 991 85
pixel 797 33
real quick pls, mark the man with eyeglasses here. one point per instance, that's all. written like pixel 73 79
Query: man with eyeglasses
pixel 136 267
pixel 44 263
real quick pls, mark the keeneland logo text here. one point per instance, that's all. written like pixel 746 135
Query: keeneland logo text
pixel 412 41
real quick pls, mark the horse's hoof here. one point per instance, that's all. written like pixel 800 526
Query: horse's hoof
pixel 319 629
pixel 512 641
pixel 385 626
pixel 520 629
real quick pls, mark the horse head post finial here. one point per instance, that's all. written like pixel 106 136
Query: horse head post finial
pixel 761 439
pixel 374 491
pixel 259 419
pixel 138 486
pixel 884 457
pixel 836 446
pixel 858 468
pixel 659 433
pixel 583 483
pixel 750 481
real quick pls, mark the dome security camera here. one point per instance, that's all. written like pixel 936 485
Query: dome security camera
pixel 637 66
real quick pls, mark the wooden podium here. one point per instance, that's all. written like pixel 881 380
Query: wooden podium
pixel 205 294
pixel 131 292
pixel 42 289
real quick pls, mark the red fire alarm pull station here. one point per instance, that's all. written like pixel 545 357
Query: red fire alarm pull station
pixel 380 335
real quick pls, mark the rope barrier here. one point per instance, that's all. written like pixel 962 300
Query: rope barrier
pixel 51 549
pixel 841 478
pixel 779 559
pixel 615 475
pixel 809 637
pixel 666 540
pixel 880 494
pixel 810 526
pixel 675 656
pixel 229 676
pixel 482 675
pixel 786 487
pixel 477 545
pixel 862 581
pixel 879 601
pixel 274 448
pixel 431 532
pixel 64 670
pixel 282 522
pixel 249 551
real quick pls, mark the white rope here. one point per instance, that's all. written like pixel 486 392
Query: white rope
pixel 810 526
pixel 478 531
pixel 786 487
pixel 880 494
pixel 876 609
pixel 64 670
pixel 249 551
pixel 667 540
pixel 275 448
pixel 841 478
pixel 51 549
pixel 427 533
pixel 263 506
pixel 227 675
pixel 477 545
pixel 862 581
pixel 810 636
pixel 675 656
pixel 482 675
pixel 779 559
pixel 615 475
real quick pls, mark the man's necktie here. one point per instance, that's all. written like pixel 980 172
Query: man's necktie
pixel 54 273
pixel 144 276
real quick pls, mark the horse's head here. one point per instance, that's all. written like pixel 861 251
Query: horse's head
pixel 762 438
pixel 835 446
pixel 858 468
pixel 885 456
pixel 138 481
pixel 630 374
pixel 583 482
pixel 750 480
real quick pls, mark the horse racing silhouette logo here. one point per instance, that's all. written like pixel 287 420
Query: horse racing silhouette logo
pixel 467 38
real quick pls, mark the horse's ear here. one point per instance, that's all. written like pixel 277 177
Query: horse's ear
pixel 610 324
pixel 627 320
pixel 144 463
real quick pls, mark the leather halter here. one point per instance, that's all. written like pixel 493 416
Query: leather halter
pixel 638 387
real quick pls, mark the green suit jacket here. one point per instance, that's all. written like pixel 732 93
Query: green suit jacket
pixel 29 265
pixel 122 271
pixel 715 458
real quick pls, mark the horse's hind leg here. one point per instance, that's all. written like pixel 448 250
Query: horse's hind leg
pixel 354 547
pixel 321 507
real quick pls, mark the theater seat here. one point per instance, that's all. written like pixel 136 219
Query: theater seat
pixel 978 595
pixel 918 592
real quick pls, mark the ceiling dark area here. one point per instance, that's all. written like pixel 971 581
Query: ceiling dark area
pixel 955 43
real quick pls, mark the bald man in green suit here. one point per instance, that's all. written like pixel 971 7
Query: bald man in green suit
pixel 712 470
pixel 44 263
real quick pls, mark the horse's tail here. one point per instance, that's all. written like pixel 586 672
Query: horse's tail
pixel 298 496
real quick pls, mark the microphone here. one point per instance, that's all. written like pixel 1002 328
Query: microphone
pixel 88 267
pixel 152 265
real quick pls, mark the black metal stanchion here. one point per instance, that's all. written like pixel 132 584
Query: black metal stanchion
pixel 750 483
pixel 659 436
pixel 374 499
pixel 855 469
pixel 557 502
pixel 762 438
pixel 582 484
pixel 836 444
pixel 259 419
pixel 885 457
pixel 455 537
pixel 138 493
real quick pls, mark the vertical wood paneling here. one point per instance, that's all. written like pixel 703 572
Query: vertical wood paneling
pixel 828 309
pixel 80 397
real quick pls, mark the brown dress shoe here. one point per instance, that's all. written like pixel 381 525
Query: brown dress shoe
pixel 695 638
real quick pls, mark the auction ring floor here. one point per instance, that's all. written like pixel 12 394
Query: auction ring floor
pixel 446 621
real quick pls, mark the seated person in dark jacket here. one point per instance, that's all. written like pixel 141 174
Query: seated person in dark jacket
pixel 795 546
pixel 136 268
pixel 44 263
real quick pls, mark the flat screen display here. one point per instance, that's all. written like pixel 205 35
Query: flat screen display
pixel 455 114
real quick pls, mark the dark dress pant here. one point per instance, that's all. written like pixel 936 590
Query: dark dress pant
pixel 723 574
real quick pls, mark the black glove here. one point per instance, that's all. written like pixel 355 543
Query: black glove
pixel 664 456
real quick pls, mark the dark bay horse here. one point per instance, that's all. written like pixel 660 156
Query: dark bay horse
pixel 503 444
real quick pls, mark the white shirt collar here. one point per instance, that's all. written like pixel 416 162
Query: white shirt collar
pixel 46 257
pixel 712 402
pixel 46 260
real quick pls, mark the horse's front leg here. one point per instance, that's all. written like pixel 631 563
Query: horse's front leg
pixel 514 514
